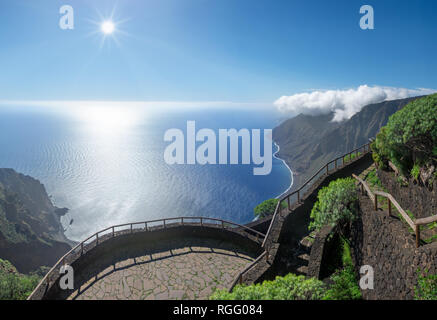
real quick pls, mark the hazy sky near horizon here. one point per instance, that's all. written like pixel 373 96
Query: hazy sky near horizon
pixel 212 50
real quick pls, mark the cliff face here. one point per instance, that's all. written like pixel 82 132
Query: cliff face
pixel 308 142
pixel 31 234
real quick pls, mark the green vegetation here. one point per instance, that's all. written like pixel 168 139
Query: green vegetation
pixel 345 282
pixel 426 288
pixel 15 286
pixel 336 203
pixel 411 215
pixel 290 287
pixel 344 285
pixel 409 140
pixel 351 157
pixel 373 180
pixel 415 171
pixel 267 208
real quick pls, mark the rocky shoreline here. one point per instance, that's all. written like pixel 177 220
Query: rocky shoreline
pixel 31 233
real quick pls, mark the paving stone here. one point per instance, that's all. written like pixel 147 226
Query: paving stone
pixel 190 272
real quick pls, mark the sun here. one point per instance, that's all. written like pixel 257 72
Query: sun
pixel 107 27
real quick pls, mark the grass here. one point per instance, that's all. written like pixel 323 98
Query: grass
pixel 373 180
pixel 426 288
pixel 13 285
pixel 344 281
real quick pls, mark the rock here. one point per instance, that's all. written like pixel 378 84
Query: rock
pixel 426 173
pixel 61 211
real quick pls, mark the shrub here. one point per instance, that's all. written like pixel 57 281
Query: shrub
pixel 410 136
pixel 426 288
pixel 336 203
pixel 267 208
pixel 15 286
pixel 351 157
pixel 290 287
pixel 344 281
pixel 344 286
pixel 415 171
pixel 373 179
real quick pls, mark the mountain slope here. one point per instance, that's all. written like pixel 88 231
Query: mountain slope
pixel 308 142
pixel 31 234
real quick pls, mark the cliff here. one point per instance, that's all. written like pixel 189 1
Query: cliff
pixel 308 142
pixel 31 234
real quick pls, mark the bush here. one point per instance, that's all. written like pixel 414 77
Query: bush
pixel 373 179
pixel 410 137
pixel 415 171
pixel 266 208
pixel 15 286
pixel 426 288
pixel 290 287
pixel 336 203
pixel 345 285
pixel 344 281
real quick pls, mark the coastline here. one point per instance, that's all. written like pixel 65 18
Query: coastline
pixel 275 155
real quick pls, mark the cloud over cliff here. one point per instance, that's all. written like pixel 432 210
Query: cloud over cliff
pixel 343 103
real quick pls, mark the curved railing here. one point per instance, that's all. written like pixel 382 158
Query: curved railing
pixel 151 225
pixel 326 169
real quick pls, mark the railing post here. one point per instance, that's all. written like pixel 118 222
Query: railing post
pixel 165 226
pixel 327 168
pixel 362 188
pixel 376 202
pixel 298 196
pixel 113 231
pixel 417 230
pixel 145 225
pixel 335 164
pixel 131 228
pixel 201 221
pixel 81 248
pixel 288 201
pixel 240 279
pixel 223 224
pixel 97 238
pixel 182 220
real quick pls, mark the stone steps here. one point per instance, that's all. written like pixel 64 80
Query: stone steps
pixel 303 254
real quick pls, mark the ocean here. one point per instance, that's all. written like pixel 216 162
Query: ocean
pixel 107 165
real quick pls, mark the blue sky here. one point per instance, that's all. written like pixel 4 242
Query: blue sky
pixel 212 50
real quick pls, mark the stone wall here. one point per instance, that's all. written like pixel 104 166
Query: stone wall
pixel 288 229
pixel 261 225
pixel 420 200
pixel 295 224
pixel 319 253
pixel 385 243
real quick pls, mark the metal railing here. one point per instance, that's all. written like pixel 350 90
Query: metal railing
pixel 239 278
pixel 414 224
pixel 150 225
pixel 326 169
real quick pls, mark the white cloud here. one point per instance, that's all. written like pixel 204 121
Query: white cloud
pixel 343 103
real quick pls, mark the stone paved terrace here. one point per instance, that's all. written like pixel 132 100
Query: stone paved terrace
pixel 188 268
